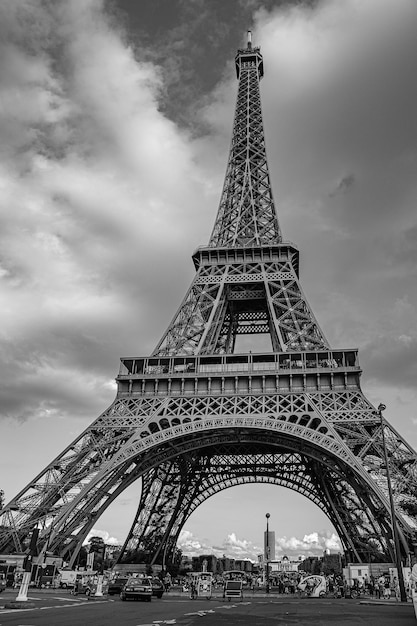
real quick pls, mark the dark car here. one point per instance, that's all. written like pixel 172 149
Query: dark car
pixel 137 589
pixel 116 585
pixel 158 587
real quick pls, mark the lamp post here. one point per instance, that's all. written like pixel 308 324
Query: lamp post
pixel 28 563
pixel 43 555
pixel 395 536
pixel 267 554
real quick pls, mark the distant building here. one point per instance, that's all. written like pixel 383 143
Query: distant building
pixel 327 564
pixel 244 565
pixel 186 563
pixel 225 564
pixel 211 562
pixel 279 566
pixel 269 545
pixel 112 552
pixel 286 564
pixel 217 565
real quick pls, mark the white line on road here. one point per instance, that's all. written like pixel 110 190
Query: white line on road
pixel 158 622
pixel 4 611
pixel 70 599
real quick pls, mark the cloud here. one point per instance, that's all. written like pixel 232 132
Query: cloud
pixel 344 185
pixel 312 544
pixel 190 545
pixel 96 186
pixel 105 535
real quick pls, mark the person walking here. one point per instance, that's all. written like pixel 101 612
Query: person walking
pixel 413 585
pixel 380 587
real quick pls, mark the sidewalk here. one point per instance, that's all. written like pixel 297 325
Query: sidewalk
pixel 251 595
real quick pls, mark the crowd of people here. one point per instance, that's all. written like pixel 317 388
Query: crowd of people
pixel 383 586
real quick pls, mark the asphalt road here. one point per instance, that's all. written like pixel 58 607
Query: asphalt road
pixel 58 608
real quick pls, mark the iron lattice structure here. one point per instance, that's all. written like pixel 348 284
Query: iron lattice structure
pixel 196 417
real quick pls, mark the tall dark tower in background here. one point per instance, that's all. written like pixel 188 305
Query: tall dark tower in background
pixel 197 416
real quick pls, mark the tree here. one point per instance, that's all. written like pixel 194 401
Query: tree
pixel 1 499
pixel 175 566
pixel 82 557
pixel 98 547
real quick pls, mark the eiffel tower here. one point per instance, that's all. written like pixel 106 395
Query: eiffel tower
pixel 196 417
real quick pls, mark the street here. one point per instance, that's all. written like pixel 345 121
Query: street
pixel 58 607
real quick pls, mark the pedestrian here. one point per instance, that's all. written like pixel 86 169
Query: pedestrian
pixel 413 577
pixel 387 588
pixel 371 586
pixel 380 587
pixel 396 587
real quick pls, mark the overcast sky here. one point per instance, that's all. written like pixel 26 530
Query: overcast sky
pixel 115 125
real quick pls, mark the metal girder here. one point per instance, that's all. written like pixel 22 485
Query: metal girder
pixel 194 419
pixel 326 483
pixel 247 215
pixel 213 314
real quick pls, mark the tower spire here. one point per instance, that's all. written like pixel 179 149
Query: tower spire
pixel 246 215
pixel 249 39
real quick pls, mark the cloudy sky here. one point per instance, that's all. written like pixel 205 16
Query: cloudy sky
pixel 115 124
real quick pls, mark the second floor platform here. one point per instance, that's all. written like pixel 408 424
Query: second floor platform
pixel 239 373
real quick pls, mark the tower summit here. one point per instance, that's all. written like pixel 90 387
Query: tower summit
pixel 246 215
pixel 197 416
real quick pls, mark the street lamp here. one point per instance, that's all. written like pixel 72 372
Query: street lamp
pixel 267 554
pixel 43 555
pixel 395 536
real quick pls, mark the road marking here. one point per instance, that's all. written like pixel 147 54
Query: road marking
pixel 4 611
pixel 201 613
pixel 56 606
pixel 69 599
pixel 158 621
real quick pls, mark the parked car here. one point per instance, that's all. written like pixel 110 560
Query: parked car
pixel 116 585
pixel 137 589
pixel 158 587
